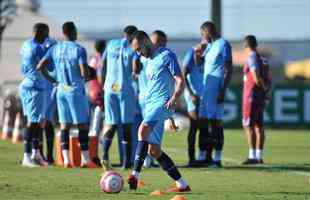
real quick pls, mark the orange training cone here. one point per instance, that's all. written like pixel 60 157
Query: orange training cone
pixel 18 129
pixel 179 197
pixel 74 149
pixel 7 127
pixel 59 159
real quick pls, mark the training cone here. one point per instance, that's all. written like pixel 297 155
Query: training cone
pixel 141 184
pixel 74 149
pixel 179 197
pixel 59 159
pixel 18 129
pixel 158 193
pixel 7 127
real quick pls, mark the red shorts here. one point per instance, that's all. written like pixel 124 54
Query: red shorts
pixel 253 111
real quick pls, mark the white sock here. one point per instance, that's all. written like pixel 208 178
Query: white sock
pixel 85 157
pixel 252 154
pixel 33 154
pixel 202 155
pixel 136 174
pixel 65 155
pixel 259 154
pixel 181 183
pixel 27 156
pixel 217 155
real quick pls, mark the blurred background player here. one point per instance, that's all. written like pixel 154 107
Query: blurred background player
pixel 50 101
pixel 253 104
pixel 119 97
pixel 217 75
pixel 31 92
pixel 96 60
pixel 162 72
pixel 71 67
pixel 193 76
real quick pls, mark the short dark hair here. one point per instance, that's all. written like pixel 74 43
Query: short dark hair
pixel 251 41
pixel 209 26
pixel 144 42
pixel 100 45
pixel 39 27
pixel 130 31
pixel 68 28
pixel 161 34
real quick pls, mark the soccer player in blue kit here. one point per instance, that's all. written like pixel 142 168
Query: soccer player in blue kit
pixel 163 73
pixel 193 76
pixel 31 92
pixel 71 68
pixel 119 97
pixel 50 102
pixel 218 70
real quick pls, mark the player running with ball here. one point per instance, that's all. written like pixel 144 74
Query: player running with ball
pixel 163 73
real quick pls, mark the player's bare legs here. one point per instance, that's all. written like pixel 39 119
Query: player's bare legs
pixel 251 140
pixel 108 134
pixel 260 141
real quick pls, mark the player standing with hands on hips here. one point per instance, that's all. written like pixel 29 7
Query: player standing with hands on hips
pixel 218 70
pixel 71 67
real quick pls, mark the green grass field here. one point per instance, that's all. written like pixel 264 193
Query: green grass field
pixel 285 175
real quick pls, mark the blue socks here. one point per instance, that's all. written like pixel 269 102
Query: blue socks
pixel 141 152
pixel 106 143
pixel 168 166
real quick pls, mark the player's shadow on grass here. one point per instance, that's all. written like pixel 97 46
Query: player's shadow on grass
pixel 272 168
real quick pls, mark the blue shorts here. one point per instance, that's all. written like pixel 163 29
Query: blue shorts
pixel 73 107
pixel 50 101
pixel 209 108
pixel 119 108
pixel 33 103
pixel 155 117
pixel 191 107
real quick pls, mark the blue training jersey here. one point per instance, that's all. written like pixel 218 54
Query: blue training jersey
pixel 160 81
pixel 31 53
pixel 142 80
pixel 119 56
pixel 217 53
pixel 67 57
pixel 195 75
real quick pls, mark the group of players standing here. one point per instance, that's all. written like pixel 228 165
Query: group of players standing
pixel 56 73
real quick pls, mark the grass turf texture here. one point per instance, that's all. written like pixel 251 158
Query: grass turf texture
pixel 285 176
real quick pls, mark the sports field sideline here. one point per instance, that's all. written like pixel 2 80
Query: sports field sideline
pixel 286 174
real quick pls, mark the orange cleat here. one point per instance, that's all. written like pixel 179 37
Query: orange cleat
pixel 158 193
pixel 175 189
pixel 141 184
pixel 179 197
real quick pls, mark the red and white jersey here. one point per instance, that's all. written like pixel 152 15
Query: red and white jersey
pixel 95 62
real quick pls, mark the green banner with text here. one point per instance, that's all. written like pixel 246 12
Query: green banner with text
pixel 288 108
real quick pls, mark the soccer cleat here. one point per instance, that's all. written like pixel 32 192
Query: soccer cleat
pixel 50 161
pixel 250 161
pixel 67 166
pixel 106 165
pixel 216 164
pixel 194 163
pixel 89 165
pixel 175 189
pixel 260 161
pixel 132 182
pixel 27 162
pixel 38 159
